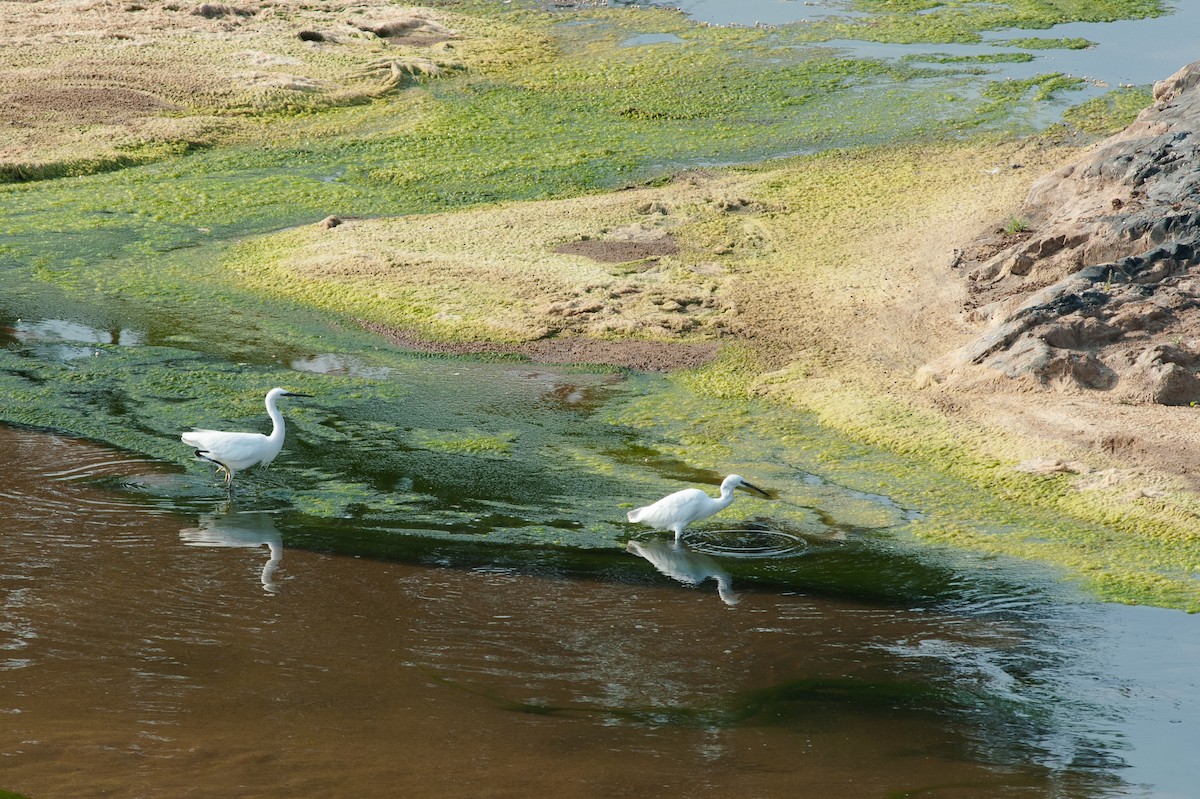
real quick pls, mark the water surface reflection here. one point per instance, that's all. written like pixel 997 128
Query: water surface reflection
pixel 679 562
pixel 139 660
pixel 228 527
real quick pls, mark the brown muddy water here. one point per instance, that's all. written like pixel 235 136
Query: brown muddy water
pixel 152 650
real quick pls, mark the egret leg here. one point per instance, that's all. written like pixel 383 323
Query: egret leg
pixel 221 468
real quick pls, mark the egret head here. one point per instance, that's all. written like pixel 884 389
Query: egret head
pixel 283 392
pixel 737 481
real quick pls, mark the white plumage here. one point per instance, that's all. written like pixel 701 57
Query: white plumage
pixel 232 452
pixel 676 511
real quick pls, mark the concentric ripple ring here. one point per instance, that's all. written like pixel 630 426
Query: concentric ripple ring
pixel 745 543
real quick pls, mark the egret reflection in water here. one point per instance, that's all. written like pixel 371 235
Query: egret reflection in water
pixel 675 560
pixel 224 527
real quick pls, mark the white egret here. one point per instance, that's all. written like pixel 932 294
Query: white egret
pixel 232 452
pixel 676 511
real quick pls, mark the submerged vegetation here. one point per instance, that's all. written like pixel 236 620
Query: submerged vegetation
pixel 1110 112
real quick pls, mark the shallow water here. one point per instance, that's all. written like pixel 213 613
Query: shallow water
pixel 194 648
pixel 1124 53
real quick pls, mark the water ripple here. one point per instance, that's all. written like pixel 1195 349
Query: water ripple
pixel 752 542
pixel 66 477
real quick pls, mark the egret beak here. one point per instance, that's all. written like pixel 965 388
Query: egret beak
pixel 755 488
pixel 295 394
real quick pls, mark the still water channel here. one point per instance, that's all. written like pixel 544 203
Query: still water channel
pixel 153 645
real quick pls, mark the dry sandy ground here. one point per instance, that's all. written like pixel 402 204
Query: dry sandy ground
pixel 85 84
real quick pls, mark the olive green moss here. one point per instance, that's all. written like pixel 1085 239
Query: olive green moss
pixel 731 375
pixel 446 309
pixel 1001 95
pixel 1111 112
pixel 1039 43
pixel 1127 548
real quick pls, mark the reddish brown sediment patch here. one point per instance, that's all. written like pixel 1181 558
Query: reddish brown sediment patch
pixel 79 105
pixel 618 251
pixel 645 356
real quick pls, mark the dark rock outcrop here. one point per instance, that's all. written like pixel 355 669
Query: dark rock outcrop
pixel 1101 289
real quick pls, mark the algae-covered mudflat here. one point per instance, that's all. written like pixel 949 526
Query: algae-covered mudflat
pixel 521 178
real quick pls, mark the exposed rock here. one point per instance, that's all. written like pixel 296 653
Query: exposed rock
pixel 1106 273
pixel 1175 385
pixel 415 27
pixel 1051 365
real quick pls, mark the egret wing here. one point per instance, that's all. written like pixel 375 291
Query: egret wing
pixel 681 506
pixel 237 450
